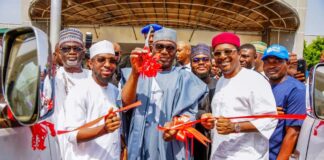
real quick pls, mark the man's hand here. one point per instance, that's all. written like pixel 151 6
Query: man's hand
pixel 169 135
pixel 208 122
pixel 136 60
pixel 300 76
pixel 112 122
pixel 224 126
pixel 280 111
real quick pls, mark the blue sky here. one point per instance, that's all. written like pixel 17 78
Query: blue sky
pixel 314 24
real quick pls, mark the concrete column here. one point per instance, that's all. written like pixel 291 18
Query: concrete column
pixel 300 6
pixel 55 23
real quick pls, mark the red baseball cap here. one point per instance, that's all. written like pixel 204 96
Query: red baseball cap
pixel 226 37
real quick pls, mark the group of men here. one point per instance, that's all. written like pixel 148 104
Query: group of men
pixel 254 81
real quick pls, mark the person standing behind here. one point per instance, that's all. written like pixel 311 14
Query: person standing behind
pixel 201 67
pixel 90 99
pixel 239 92
pixel 174 92
pixel 183 55
pixel 117 75
pixel 292 68
pixel 290 98
pixel 260 47
pixel 248 56
pixel 145 30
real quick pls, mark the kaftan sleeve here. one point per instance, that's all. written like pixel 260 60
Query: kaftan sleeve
pixel 263 102
pixel 191 91
pixel 75 112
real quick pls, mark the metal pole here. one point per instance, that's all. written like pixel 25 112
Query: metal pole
pixel 55 26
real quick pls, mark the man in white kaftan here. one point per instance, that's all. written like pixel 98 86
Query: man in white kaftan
pixel 71 50
pixel 239 92
pixel 248 93
pixel 89 100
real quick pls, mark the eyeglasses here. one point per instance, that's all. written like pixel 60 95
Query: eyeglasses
pixel 111 60
pixel 227 52
pixel 160 47
pixel 68 49
pixel 197 59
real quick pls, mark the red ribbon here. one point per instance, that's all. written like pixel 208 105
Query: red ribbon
pixel 283 116
pixel 185 131
pixel 9 114
pixel 150 67
pixel 321 123
pixel 39 133
pixel 91 123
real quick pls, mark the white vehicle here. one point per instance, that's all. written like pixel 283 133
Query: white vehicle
pixel 310 144
pixel 25 61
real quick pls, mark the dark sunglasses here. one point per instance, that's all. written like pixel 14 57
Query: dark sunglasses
pixel 68 49
pixel 103 60
pixel 197 59
pixel 227 52
pixel 160 47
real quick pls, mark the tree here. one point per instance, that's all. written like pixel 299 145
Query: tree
pixel 312 52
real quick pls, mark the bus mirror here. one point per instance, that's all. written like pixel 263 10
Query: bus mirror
pixel 318 91
pixel 26 61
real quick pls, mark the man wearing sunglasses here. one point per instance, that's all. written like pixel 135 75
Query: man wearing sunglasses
pixel 71 52
pixel 201 67
pixel 239 92
pixel 290 99
pixel 88 100
pixel 174 92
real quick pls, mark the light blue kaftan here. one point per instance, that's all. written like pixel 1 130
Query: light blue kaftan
pixel 178 94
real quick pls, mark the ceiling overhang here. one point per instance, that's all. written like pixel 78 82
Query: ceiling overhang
pixel 221 15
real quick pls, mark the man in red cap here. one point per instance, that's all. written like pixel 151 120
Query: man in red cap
pixel 239 92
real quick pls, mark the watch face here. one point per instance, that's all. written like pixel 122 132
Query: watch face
pixel 237 127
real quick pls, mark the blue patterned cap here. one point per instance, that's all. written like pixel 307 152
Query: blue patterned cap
pixel 146 28
pixel 276 50
pixel 200 49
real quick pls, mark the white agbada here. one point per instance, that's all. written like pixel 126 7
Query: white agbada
pixel 248 93
pixel 63 83
pixel 88 101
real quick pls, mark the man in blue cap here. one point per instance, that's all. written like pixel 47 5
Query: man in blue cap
pixel 289 94
pixel 145 30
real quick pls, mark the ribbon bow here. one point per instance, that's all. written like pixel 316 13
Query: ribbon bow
pixel 150 67
pixel 39 133
pixel 185 131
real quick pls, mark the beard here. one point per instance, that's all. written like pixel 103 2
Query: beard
pixel 104 80
pixel 202 75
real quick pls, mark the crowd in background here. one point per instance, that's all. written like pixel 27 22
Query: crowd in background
pixel 222 79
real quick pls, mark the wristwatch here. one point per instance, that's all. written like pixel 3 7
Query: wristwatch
pixel 237 127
